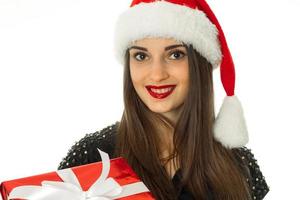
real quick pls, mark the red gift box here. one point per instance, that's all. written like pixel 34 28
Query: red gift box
pixel 110 179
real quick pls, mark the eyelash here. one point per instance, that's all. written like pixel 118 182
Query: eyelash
pixel 176 51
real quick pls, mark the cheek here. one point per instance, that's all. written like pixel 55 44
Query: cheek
pixel 182 74
pixel 136 76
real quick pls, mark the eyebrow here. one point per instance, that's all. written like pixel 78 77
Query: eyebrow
pixel 166 48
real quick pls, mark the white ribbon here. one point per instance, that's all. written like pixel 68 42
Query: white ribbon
pixel 103 189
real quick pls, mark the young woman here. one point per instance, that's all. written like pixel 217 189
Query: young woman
pixel 168 132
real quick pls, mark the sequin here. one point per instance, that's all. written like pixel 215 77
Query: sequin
pixel 256 180
pixel 85 151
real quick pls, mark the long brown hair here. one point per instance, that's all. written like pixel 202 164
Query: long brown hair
pixel 204 163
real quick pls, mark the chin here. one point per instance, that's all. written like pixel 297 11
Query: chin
pixel 159 110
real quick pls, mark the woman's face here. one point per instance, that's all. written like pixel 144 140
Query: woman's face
pixel 156 62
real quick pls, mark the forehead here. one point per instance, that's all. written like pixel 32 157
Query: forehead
pixel 155 43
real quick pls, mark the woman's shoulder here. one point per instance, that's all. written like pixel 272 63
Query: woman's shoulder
pixel 85 150
pixel 256 180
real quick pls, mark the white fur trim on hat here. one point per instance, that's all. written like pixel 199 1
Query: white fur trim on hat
pixel 230 126
pixel 168 20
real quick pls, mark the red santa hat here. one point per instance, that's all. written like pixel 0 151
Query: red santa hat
pixel 192 22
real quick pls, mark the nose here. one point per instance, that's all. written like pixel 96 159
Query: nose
pixel 158 71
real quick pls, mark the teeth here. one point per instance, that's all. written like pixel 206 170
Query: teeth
pixel 160 91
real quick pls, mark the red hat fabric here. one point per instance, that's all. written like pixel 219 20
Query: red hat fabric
pixel 192 22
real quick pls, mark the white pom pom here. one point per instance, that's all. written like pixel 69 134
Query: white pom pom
pixel 230 127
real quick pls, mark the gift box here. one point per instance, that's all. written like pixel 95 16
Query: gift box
pixel 109 179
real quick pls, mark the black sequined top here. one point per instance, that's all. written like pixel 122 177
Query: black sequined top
pixel 85 151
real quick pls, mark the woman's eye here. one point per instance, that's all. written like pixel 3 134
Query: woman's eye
pixel 139 56
pixel 177 55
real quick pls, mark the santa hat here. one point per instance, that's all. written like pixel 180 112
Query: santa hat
pixel 192 22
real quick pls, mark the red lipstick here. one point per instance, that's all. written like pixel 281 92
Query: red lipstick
pixel 160 95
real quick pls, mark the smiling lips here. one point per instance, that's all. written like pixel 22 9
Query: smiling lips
pixel 160 92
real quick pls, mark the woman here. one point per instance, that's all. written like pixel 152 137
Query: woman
pixel 168 132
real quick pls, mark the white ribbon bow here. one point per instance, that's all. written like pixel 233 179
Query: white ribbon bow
pixel 103 189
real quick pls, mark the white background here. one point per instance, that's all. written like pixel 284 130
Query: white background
pixel 59 80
